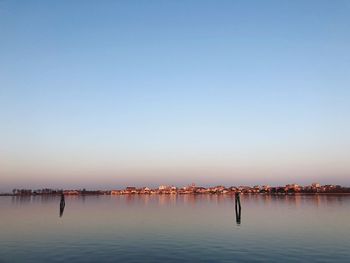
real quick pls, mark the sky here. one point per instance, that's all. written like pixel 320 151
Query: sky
pixel 106 94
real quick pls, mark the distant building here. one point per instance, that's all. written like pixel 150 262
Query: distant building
pixel 130 190
pixel 316 185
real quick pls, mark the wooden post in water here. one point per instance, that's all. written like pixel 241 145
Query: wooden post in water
pixel 238 208
pixel 237 200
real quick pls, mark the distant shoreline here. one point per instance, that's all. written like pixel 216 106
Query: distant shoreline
pixel 168 194
pixel 289 189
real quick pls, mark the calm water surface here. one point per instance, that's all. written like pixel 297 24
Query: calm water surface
pixel 187 228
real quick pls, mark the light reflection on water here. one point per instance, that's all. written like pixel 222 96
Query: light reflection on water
pixel 189 228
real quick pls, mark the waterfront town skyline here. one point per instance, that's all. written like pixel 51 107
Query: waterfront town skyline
pixel 192 189
pixel 140 185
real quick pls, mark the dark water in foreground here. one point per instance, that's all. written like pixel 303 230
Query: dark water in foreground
pixel 184 228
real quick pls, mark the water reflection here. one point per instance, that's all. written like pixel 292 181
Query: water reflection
pixel 62 205
pixel 238 215
pixel 238 208
pixel 21 199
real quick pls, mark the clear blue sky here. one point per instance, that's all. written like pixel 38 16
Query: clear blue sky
pixel 114 93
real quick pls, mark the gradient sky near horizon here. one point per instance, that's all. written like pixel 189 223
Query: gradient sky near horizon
pixel 104 94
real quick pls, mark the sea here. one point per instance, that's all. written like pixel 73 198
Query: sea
pixel 175 228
